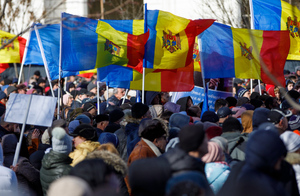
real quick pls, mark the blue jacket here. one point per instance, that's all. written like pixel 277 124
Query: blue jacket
pixel 216 174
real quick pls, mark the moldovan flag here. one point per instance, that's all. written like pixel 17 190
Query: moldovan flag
pixel 176 80
pixel 279 15
pixel 13 52
pixel 172 39
pixel 229 52
pixel 120 48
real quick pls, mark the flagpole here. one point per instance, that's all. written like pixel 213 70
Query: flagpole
pixel 252 27
pixel 43 57
pixel 202 70
pixel 59 69
pixel 126 93
pixel 107 104
pixel 144 60
pixel 17 152
pixel 98 102
pixel 24 57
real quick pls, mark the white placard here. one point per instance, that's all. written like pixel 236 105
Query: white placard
pixel 41 109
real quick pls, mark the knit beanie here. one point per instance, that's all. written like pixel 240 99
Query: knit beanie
pixel 73 124
pixel 210 116
pixel 61 142
pixel 241 92
pixel 191 137
pixel 139 109
pixel 294 122
pixel 213 131
pixel 222 142
pixel 291 141
pixel 215 153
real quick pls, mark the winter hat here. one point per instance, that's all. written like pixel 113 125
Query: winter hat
pixel 215 153
pixel 11 89
pixel 191 137
pixel 88 106
pixel 291 141
pixel 178 120
pixel 294 122
pixel 115 115
pixel 173 107
pixel 224 112
pixel 86 131
pixel 73 124
pixel 37 73
pixel 101 117
pixel 69 186
pixel 61 142
pixel 83 118
pixel 106 137
pixel 241 92
pixel 238 111
pixel 2 95
pixel 241 101
pixel 260 116
pixel 91 86
pixel 210 116
pixel 222 142
pixel 66 98
pixel 46 137
pixel 297 68
pixel 276 115
pixel 139 109
pixel 213 132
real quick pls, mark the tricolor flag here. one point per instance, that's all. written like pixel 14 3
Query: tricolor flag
pixel 172 39
pixel 279 15
pixel 120 48
pixel 13 52
pixel 229 52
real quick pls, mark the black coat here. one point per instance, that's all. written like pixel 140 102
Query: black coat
pixel 54 166
pixel 36 157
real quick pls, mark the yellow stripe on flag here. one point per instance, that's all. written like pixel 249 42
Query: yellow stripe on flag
pixel 289 15
pixel 138 27
pixel 10 54
pixel 247 47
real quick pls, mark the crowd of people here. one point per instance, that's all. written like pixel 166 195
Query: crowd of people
pixel 250 144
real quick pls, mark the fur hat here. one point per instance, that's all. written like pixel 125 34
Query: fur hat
pixel 61 142
pixel 138 110
pixel 191 137
pixel 291 141
pixel 115 115
pixel 86 131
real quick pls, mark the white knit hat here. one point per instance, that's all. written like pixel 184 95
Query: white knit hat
pixel 291 141
pixel 61 142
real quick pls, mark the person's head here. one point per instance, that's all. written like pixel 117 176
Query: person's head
pixel 22 88
pixel 279 118
pixel 246 118
pixel 42 82
pixel 210 116
pixel 291 141
pixel 90 108
pixel 102 121
pixel 289 85
pixel 61 142
pixel 155 132
pixel 37 74
pixel 215 153
pixel 224 112
pixel 231 101
pixel 277 92
pixel 107 137
pixel 92 88
pixel 271 103
pixel 165 96
pixel 260 115
pixel 116 116
pixel 140 111
pixel 67 99
pixel 194 111
pixel 119 92
pixel 232 124
pixel 242 92
pixel 83 133
pixel 3 97
pixel 220 103
pixel 193 140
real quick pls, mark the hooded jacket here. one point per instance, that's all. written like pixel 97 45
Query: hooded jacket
pixel 54 166
pixel 294 160
pixel 183 103
pixel 36 157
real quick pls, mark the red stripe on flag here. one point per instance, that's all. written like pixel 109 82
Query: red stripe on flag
pixel 136 50
pixel 181 79
pixel 3 67
pixel 274 51
pixel 22 44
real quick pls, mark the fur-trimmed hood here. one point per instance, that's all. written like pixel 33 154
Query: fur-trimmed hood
pixel 293 158
pixel 111 159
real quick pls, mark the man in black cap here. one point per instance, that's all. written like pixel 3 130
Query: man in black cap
pixel 90 108
pixel 139 111
pixel 279 118
pixel 186 156
pixel 115 117
pixel 223 114
pixel 102 121
pixel 37 75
